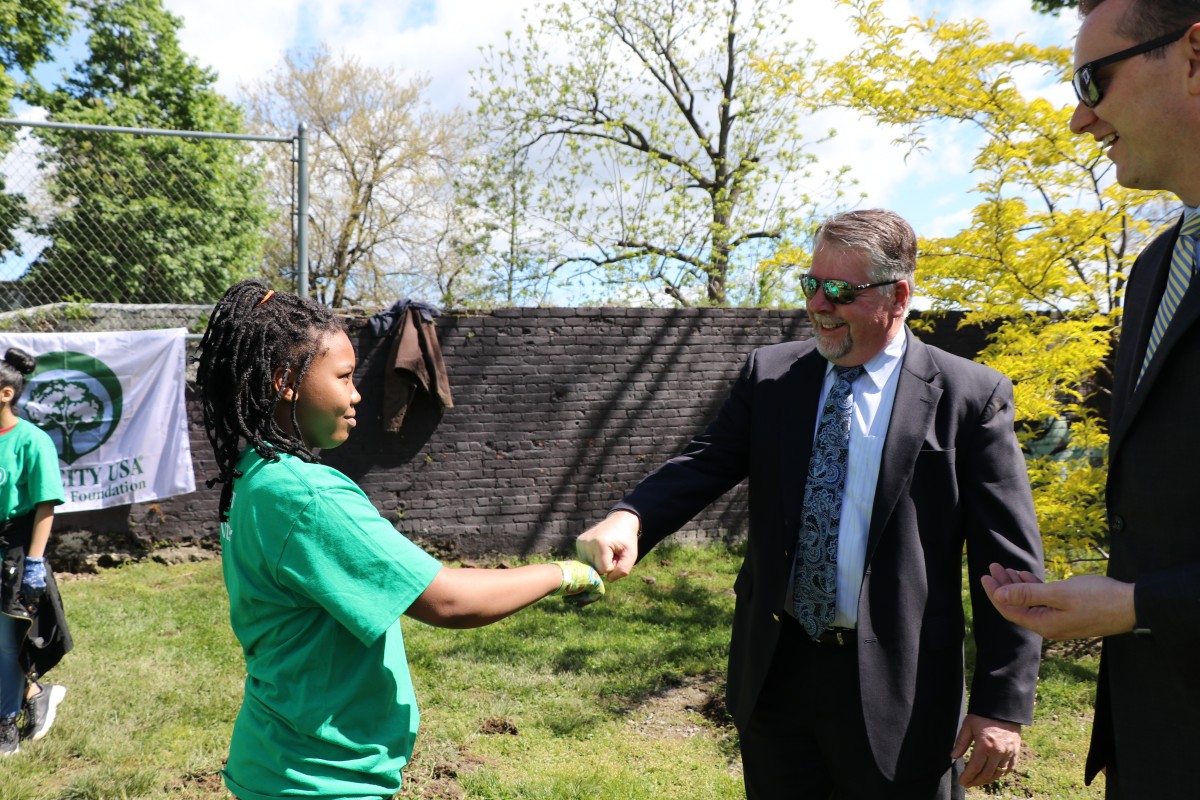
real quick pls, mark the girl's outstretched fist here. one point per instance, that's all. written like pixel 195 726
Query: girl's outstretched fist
pixel 581 585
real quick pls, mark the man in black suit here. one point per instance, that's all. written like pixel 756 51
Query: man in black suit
pixel 862 695
pixel 1138 82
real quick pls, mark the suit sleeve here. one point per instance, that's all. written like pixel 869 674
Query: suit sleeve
pixel 711 464
pixel 1001 527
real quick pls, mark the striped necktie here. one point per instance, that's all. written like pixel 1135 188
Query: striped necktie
pixel 1183 262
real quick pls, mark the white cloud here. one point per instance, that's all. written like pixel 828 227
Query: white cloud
pixel 241 40
pixel 442 39
pixel 446 48
pixel 876 165
pixel 245 41
pixel 948 224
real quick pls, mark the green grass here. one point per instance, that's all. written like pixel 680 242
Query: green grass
pixel 618 701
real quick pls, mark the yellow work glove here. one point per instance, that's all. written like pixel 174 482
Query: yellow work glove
pixel 581 585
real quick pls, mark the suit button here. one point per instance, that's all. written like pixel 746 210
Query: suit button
pixel 1116 523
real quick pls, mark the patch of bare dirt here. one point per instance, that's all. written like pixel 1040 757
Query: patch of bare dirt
pixel 434 776
pixel 499 726
pixel 1072 648
pixel 695 708
pixel 673 714
pixel 182 555
pixel 198 786
pixel 1013 784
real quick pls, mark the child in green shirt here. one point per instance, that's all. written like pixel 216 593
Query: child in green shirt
pixel 317 579
pixel 30 488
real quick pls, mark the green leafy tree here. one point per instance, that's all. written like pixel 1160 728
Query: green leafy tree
pixel 144 218
pixel 664 161
pixel 1042 264
pixel 28 29
pixel 509 256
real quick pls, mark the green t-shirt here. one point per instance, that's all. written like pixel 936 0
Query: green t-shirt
pixel 28 470
pixel 317 582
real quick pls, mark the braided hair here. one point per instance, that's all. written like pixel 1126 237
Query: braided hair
pixel 252 332
pixel 13 369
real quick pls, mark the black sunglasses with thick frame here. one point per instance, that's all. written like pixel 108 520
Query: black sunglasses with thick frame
pixel 1084 78
pixel 840 292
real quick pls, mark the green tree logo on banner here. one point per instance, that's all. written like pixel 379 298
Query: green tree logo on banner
pixel 76 399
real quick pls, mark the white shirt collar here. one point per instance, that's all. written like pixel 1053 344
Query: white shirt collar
pixel 880 367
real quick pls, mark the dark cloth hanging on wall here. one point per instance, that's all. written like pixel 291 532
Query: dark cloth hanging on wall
pixel 414 360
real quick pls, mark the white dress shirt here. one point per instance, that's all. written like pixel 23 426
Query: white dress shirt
pixel 874 393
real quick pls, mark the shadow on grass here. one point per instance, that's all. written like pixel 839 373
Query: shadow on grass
pixel 666 627
pixel 1069 669
pixel 659 621
pixel 678 631
pixel 573 659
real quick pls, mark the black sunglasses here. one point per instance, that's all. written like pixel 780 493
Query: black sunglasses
pixel 840 292
pixel 1084 79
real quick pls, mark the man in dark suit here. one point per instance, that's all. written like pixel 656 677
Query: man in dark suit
pixel 860 695
pixel 1138 82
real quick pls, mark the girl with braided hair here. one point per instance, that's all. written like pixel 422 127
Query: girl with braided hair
pixel 317 579
pixel 30 488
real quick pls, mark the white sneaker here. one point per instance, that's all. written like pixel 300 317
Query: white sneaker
pixel 40 711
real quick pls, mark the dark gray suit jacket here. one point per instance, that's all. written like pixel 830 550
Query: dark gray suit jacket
pixel 1148 699
pixel 951 473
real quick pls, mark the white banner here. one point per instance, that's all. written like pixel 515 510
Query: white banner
pixel 114 405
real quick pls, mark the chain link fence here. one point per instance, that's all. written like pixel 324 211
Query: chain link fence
pixel 93 216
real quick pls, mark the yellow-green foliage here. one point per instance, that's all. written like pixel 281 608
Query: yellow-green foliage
pixel 1043 262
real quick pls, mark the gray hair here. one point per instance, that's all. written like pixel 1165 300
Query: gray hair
pixel 887 240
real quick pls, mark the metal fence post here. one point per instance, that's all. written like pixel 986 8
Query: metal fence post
pixel 302 210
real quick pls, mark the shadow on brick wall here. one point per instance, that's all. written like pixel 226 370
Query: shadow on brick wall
pixel 557 414
pixel 371 447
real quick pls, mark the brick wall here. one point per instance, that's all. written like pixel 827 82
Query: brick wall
pixel 557 413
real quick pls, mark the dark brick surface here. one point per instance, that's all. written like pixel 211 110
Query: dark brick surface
pixel 557 413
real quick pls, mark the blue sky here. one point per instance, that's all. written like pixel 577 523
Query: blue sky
pixel 442 39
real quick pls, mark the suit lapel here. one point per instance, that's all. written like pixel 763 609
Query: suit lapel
pixel 912 413
pixel 1141 306
pixel 802 393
